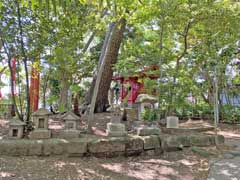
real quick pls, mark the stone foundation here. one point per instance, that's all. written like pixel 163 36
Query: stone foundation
pixel 106 146
pixel 40 134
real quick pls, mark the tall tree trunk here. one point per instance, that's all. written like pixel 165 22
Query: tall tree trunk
pixel 109 55
pixel 25 59
pixel 65 85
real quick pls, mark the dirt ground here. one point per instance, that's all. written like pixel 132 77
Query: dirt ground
pixel 168 166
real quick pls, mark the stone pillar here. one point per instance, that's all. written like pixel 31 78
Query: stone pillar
pixel 172 122
pixel 115 128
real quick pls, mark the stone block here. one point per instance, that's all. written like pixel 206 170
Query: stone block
pixel 202 152
pixel 184 141
pixel 21 148
pixel 116 133
pixel 132 114
pixel 200 140
pixel 115 127
pixel 69 134
pixel 40 134
pixel 151 142
pixel 76 147
pixel 218 140
pixel 147 131
pixel 134 143
pixel 54 147
pixel 35 147
pixel 172 122
pixel 171 143
pixel 106 146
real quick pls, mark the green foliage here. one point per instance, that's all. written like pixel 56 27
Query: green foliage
pixel 150 114
pixel 230 113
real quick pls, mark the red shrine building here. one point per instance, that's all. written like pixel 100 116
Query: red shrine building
pixel 132 86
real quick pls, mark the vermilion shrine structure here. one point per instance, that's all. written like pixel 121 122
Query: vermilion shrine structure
pixel 132 86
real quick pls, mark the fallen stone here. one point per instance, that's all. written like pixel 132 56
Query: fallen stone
pixel 147 131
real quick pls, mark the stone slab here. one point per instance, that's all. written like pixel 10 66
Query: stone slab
pixel 35 147
pixel 40 134
pixel 171 143
pixel 76 147
pixel 201 140
pixel 54 147
pixel 116 133
pixel 107 145
pixel 134 143
pixel 147 131
pixel 115 127
pixel 172 122
pixel 69 134
pixel 151 142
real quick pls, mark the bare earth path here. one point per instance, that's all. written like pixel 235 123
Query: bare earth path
pixel 170 166
pixel 228 167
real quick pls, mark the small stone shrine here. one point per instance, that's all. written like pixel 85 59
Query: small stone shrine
pixel 71 123
pixel 144 101
pixel 16 128
pixel 172 122
pixel 115 128
pixel 40 121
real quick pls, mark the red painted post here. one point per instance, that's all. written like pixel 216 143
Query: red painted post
pixel 34 86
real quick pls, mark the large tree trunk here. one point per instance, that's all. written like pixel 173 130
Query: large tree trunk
pixel 65 85
pixel 113 42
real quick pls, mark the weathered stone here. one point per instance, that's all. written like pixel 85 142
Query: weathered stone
pixel 116 115
pixel 16 128
pixel 219 139
pixel 202 152
pixel 40 134
pixel 107 145
pixel 69 134
pixel 172 122
pixel 71 120
pixel 115 127
pixel 200 140
pixel 116 130
pixel 40 118
pixel 147 131
pixel 54 147
pixel 77 147
pixel 150 152
pixel 151 142
pixel 171 143
pixel 116 133
pixel 184 141
pixel 35 147
pixel 134 145
pixel 132 114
